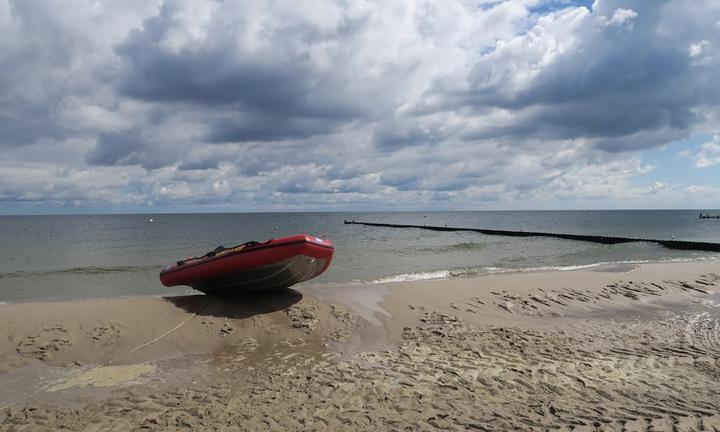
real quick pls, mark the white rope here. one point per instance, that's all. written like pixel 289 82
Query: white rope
pixel 170 331
pixel 109 362
pixel 10 405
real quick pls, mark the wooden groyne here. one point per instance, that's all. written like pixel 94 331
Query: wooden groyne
pixel 670 244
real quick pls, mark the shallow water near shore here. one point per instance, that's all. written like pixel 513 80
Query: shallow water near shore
pixel 89 256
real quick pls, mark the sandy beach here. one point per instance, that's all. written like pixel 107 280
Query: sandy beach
pixel 631 348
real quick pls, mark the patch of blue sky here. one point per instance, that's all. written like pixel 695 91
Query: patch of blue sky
pixel 545 7
pixel 675 164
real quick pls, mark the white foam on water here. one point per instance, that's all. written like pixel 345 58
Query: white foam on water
pixel 494 270
pixel 479 271
pixel 406 277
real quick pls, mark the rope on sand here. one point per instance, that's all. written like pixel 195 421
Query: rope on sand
pixel 185 321
pixel 109 362
pixel 10 405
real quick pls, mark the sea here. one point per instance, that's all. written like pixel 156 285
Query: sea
pixel 96 256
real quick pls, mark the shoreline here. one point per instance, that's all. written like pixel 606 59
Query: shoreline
pixel 421 276
pixel 584 350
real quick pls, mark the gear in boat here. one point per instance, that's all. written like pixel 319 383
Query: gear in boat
pixel 276 263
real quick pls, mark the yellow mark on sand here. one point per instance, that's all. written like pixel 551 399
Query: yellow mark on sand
pixel 104 376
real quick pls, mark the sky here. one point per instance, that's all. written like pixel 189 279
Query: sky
pixel 231 105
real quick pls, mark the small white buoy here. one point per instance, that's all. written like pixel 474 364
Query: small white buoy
pixel 151 220
pixel 276 228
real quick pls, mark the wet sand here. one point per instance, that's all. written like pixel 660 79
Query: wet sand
pixel 631 349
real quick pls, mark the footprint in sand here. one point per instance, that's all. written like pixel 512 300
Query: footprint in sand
pixel 105 334
pixel 338 335
pixel 343 316
pixel 248 344
pixel 209 325
pixel 50 340
pixel 292 343
pixel 304 317
pixel 226 329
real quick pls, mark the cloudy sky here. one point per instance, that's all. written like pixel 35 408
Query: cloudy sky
pixel 230 105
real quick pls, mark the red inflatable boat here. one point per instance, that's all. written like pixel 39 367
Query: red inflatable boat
pixel 277 263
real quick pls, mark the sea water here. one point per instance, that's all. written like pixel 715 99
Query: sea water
pixel 89 256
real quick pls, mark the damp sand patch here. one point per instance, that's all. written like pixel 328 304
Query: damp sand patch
pixel 105 376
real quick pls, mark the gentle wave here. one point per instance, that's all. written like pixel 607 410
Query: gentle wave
pixel 478 271
pixel 405 277
pixel 90 270
pixel 458 247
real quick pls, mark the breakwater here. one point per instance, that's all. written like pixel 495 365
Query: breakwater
pixel 671 244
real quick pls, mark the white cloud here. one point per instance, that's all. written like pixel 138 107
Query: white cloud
pixel 709 153
pixel 697 49
pixel 44 182
pixel 619 17
pixel 700 52
pixel 272 105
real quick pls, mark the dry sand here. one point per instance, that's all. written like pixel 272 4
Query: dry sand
pixel 584 350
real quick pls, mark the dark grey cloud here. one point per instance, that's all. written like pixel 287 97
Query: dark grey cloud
pixel 51 53
pixel 267 93
pixel 246 126
pixel 127 148
pixel 117 149
pixel 400 133
pixel 29 54
pixel 23 122
pixel 197 165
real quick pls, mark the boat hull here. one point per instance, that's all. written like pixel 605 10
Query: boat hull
pixel 276 264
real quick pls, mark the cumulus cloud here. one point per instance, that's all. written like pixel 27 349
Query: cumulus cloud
pixel 709 153
pixel 576 75
pixel 270 71
pixel 345 104
pixel 619 17
pixel 37 182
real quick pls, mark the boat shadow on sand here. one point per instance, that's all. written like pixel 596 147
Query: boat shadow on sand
pixel 237 305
